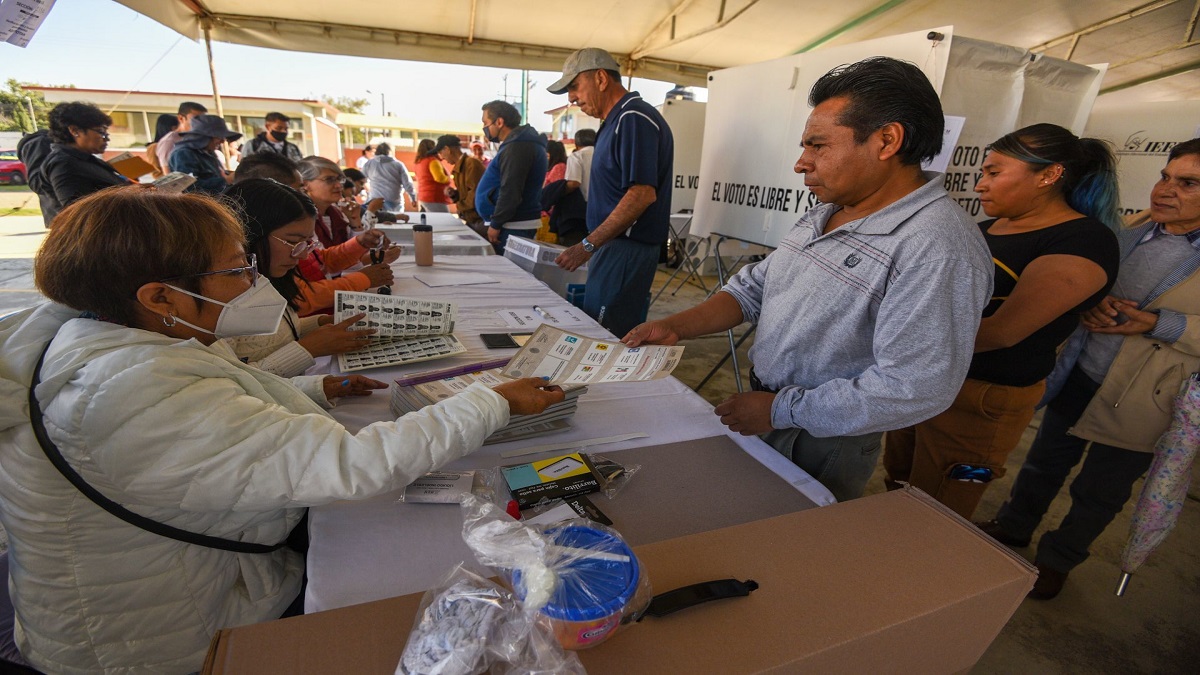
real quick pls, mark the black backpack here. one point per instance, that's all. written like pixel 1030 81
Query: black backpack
pixel 33 149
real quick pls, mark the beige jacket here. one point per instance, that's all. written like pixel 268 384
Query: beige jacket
pixel 1135 402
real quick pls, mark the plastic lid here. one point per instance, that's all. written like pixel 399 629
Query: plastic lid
pixel 589 588
pixel 422 228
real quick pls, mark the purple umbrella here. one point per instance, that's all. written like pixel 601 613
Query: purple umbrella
pixel 1166 484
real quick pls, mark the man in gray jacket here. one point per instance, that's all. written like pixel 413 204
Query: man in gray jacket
pixel 867 311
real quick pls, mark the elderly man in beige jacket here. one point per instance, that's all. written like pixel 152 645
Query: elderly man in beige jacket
pixel 1117 380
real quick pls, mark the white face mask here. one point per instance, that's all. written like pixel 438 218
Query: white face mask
pixel 257 311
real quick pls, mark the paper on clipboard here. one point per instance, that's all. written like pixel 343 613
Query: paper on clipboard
pixel 567 358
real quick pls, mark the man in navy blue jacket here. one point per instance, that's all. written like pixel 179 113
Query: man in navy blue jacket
pixel 629 200
pixel 509 196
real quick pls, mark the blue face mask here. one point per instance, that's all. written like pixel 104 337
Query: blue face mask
pixel 487 134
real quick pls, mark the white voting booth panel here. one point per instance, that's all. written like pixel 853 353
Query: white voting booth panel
pixel 749 191
pixel 999 89
pixel 756 195
pixel 686 119
pixel 1142 135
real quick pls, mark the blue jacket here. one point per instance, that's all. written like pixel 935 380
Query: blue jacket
pixel 511 187
pixel 191 155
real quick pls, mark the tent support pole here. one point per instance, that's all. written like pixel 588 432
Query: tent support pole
pixel 206 24
pixel 850 25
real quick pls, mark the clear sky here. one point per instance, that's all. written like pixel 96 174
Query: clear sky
pixel 99 44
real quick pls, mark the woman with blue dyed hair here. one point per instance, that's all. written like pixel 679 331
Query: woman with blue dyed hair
pixel 1051 197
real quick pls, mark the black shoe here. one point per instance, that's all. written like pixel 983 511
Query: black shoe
pixel 992 529
pixel 1049 583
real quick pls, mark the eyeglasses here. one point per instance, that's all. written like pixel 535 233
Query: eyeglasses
pixel 332 180
pixel 103 131
pixel 300 248
pixel 250 271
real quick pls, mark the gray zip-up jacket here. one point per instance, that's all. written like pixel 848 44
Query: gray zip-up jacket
pixel 872 326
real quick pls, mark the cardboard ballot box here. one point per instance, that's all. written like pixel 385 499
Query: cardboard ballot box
pixel 537 258
pixel 888 583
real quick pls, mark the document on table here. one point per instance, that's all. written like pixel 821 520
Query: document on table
pixel 528 317
pixel 438 278
pixel 567 358
pixel 409 329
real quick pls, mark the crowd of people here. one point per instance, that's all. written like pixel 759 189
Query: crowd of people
pixel 164 440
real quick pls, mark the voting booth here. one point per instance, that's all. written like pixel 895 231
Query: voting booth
pixel 750 192
pixel 1142 135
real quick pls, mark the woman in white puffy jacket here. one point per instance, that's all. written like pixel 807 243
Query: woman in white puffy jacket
pixel 147 409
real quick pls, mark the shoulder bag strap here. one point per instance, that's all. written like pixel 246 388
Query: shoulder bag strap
pixel 150 525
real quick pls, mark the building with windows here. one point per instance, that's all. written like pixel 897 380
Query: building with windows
pixel 567 119
pixel 313 128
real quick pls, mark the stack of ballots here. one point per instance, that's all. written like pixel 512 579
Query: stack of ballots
pixel 413 397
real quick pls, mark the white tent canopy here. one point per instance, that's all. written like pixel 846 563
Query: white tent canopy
pixel 1152 44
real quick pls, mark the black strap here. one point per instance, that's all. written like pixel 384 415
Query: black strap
pixel 161 529
pixel 696 594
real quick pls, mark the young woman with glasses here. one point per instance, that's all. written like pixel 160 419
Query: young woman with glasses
pixel 278 222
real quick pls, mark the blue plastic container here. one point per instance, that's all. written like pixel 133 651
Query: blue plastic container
pixel 593 593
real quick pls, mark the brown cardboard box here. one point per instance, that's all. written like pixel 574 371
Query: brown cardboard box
pixel 889 583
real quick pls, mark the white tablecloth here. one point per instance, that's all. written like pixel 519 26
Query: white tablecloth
pixel 379 548
pixel 451 236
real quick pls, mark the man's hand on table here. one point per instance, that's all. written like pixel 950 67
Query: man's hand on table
pixel 748 414
pixel 349 385
pixel 651 333
pixel 572 258
pixel 529 396
pixel 494 235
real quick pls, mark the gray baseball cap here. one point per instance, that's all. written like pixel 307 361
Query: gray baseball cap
pixel 590 58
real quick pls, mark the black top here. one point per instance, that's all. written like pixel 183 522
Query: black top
pixel 72 173
pixel 1031 360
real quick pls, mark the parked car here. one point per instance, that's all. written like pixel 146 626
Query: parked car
pixel 12 169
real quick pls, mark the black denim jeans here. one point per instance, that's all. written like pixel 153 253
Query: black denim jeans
pixel 1104 484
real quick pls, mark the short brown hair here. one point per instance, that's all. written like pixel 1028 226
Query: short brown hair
pixel 106 246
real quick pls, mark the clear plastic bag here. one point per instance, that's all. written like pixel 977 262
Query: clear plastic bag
pixel 469 625
pixel 455 626
pixel 448 487
pixel 579 577
pixel 612 476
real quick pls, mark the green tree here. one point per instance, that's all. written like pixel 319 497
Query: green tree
pixel 355 106
pixel 14 109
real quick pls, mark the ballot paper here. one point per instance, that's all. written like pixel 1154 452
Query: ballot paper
pixel 567 358
pixel 174 182
pixel 408 330
pixel 393 316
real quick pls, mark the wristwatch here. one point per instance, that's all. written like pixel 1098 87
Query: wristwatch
pixel 587 245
